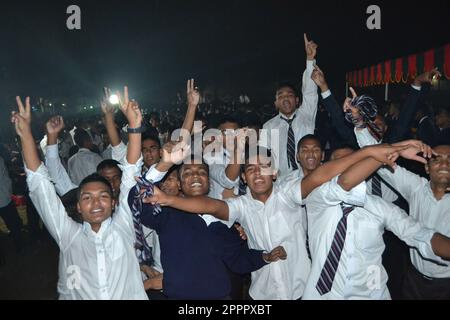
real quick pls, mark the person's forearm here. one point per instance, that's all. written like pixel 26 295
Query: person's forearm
pixel 30 155
pixel 188 122
pixel 52 139
pixel 232 171
pixel 357 173
pixel 199 205
pixel 110 125
pixel 441 245
pixel 134 143
pixel 331 169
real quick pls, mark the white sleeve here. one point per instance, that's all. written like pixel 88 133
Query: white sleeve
pixel 218 174
pixel 364 137
pixel 236 212
pixel 123 215
pixel 119 152
pixel 57 172
pixel 407 229
pixel 308 109
pixel 154 175
pixel 331 194
pixel 291 190
pixel 49 206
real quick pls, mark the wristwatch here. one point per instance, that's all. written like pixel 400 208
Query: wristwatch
pixel 136 130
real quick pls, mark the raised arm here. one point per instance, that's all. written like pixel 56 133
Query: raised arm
pixel 197 204
pixel 108 111
pixel 333 108
pixel 193 98
pixel 58 173
pixel 385 154
pixel 42 191
pixel 308 109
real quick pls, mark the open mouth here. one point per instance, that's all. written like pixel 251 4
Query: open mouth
pixel 258 181
pixel 97 211
pixel 196 185
pixel 443 171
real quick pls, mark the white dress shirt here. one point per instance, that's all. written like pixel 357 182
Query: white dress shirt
pixel 92 266
pixel 57 172
pixel 360 273
pixel 82 164
pixel 423 206
pixel 278 222
pixel 218 180
pixel 303 124
pixel 5 185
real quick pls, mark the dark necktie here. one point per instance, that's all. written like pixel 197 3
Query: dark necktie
pixel 334 255
pixel 291 145
pixel 376 186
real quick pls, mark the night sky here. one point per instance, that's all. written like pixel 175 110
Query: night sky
pixel 154 46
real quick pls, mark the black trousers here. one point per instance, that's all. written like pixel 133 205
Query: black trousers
pixel 13 222
pixel 416 286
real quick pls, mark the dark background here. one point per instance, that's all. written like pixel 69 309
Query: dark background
pixel 228 46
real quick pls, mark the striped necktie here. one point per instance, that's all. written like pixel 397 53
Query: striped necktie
pixel 331 263
pixel 291 144
pixel 376 186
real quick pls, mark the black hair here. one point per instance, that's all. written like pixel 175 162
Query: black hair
pixel 193 159
pixel 73 149
pixel 81 137
pixel 286 84
pixel 108 164
pixel 309 137
pixel 149 135
pixel 259 151
pixel 95 177
pixel 69 201
pixel 231 118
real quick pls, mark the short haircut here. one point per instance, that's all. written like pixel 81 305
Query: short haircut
pixel 286 84
pixel 151 136
pixel 108 164
pixel 81 137
pixel 69 201
pixel 260 151
pixel 309 137
pixel 231 118
pixel 95 177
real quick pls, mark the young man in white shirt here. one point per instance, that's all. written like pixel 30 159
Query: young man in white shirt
pixel 429 203
pixel 98 257
pixel 270 215
pixel 84 162
pixel 346 248
pixel 293 121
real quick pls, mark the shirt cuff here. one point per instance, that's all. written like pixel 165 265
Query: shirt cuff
pixel 119 152
pixel 310 64
pixel 52 151
pixel 326 94
pixel 153 175
pixel 418 88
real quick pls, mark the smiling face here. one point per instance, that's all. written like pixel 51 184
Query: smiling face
pixel 309 154
pixel 194 179
pixel 438 167
pixel 259 176
pixel 95 203
pixel 286 101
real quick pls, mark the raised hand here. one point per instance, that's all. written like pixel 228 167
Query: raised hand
pixel 130 109
pixel 54 125
pixel 319 79
pixel 386 154
pixel 175 152
pixel 349 108
pixel 193 96
pixel 310 48
pixel 426 77
pixel 158 197
pixel 22 119
pixel 413 147
pixel 275 255
pixel 106 106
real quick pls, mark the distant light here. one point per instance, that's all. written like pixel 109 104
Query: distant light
pixel 91 107
pixel 50 104
pixel 63 104
pixel 114 99
pixel 84 108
